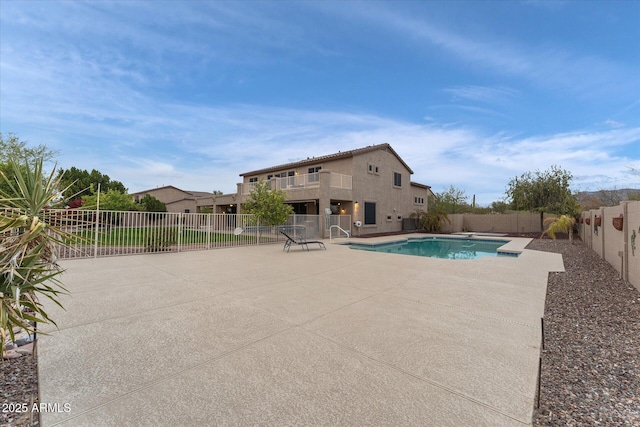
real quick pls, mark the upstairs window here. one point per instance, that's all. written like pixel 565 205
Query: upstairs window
pixel 397 179
pixel 313 174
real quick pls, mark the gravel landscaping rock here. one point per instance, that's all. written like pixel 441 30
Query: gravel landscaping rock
pixel 19 387
pixel 591 362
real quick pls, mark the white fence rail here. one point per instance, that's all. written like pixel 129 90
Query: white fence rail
pixel 113 233
pixel 342 221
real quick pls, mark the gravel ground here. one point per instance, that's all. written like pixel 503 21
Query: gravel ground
pixel 590 365
pixel 591 361
pixel 19 385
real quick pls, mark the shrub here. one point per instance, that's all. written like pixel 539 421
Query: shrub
pixel 28 261
pixel 161 238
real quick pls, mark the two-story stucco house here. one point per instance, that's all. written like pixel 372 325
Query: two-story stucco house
pixel 372 184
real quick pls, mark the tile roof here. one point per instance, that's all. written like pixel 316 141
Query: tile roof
pixel 334 156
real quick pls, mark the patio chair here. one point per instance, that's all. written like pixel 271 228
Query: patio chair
pixel 300 241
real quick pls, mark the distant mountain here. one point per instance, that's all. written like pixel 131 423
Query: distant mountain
pixel 596 199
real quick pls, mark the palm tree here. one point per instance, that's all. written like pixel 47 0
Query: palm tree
pixel 559 224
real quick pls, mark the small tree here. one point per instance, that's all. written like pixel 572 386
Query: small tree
pixel 112 200
pixel 452 200
pixel 13 149
pixel 542 192
pixel 499 206
pixel 559 224
pixel 150 204
pixel 268 205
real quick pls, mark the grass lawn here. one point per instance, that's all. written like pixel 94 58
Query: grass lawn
pixel 159 236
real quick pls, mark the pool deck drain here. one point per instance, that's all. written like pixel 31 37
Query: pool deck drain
pixel 253 335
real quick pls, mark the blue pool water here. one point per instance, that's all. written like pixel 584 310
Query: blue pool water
pixel 448 248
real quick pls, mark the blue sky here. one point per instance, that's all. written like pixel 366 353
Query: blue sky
pixel 194 93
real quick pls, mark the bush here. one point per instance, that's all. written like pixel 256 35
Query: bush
pixel 161 238
pixel 28 261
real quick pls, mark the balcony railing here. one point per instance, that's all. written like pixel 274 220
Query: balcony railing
pixel 341 181
pixel 308 180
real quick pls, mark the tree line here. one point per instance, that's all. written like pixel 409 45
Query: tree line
pixel 80 186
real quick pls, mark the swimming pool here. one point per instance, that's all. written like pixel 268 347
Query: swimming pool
pixel 440 247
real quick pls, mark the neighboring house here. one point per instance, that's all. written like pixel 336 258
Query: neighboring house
pixel 372 184
pixel 178 200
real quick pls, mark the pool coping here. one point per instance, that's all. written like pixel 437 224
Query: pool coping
pixel 513 246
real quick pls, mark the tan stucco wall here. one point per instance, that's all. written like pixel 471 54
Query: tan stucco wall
pixel 494 223
pixel 609 243
pixel 379 189
pixel 584 231
pixel 222 201
pixel 613 239
pixel 632 225
pixel 596 232
pixel 182 206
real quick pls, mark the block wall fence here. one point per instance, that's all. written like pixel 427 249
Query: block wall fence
pixel 614 234
pixel 494 223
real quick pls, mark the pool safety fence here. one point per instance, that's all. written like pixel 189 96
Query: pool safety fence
pixel 114 233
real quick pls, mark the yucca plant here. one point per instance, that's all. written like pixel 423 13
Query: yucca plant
pixel 559 224
pixel 28 261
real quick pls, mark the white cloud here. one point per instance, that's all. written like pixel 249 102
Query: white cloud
pixel 613 123
pixel 482 93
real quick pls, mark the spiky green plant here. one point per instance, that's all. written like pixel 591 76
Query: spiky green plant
pixel 29 236
pixel 431 220
pixel 559 224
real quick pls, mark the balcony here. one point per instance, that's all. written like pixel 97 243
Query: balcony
pixel 304 181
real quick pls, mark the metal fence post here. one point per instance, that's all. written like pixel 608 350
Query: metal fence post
pixel 208 222
pixel 95 232
pixel 179 231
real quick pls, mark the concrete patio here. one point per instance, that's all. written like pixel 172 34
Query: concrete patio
pixel 255 336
